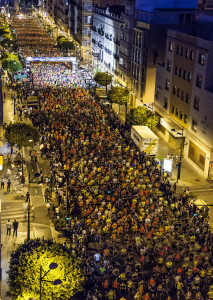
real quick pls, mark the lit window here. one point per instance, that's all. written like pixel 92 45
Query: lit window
pixel 201 59
pixel 171 46
pixel 169 65
pixel 167 84
pixel 189 77
pixel 191 55
pixel 199 81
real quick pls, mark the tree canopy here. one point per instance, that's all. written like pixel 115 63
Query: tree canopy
pixel 119 95
pixel 64 43
pixel 21 134
pixel 11 65
pixel 24 271
pixel 142 116
pixel 103 78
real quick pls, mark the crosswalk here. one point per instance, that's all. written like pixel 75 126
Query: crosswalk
pixel 14 214
pixel 201 189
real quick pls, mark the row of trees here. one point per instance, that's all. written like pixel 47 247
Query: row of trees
pixel 10 61
pixel 120 95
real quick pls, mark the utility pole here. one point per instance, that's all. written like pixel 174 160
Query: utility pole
pixel 28 215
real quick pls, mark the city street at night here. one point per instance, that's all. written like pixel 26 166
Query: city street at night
pixel 106 150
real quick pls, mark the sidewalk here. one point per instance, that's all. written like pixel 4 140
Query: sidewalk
pixel 12 203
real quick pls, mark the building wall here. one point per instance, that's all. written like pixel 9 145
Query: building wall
pixel 188 55
pixel 162 4
pixel 105 41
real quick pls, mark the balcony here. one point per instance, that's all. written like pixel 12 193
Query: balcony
pixel 94 41
pixel 100 45
pixel 94 28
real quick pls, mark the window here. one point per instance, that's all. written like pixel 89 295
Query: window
pixel 189 77
pixel 185 118
pixel 181 51
pixel 165 105
pixel 157 96
pixel 199 81
pixel 194 125
pixel 187 98
pixel 171 46
pixel 182 95
pixel 174 89
pixel 173 109
pixel 176 112
pixel 176 70
pixel 191 55
pixel 180 72
pixel 184 74
pixel 169 65
pixel 178 49
pixel 196 103
pixel 201 59
pixel 181 115
pixel 187 52
pixel 167 84
pixel 178 93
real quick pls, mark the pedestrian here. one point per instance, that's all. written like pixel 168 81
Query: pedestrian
pixel 2 184
pixel 35 155
pixel 15 227
pixel 8 226
pixel 48 207
pixel 8 185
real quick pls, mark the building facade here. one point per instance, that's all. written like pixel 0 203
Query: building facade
pixel 149 46
pixel 184 93
pixel 105 39
pixel 80 20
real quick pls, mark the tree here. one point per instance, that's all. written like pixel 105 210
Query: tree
pixel 119 95
pixel 142 116
pixel 12 65
pixel 103 78
pixel 25 265
pixel 21 134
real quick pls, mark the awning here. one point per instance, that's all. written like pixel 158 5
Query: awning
pixel 172 127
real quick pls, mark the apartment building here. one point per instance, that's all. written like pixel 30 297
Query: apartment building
pixel 57 12
pixel 105 38
pixel 80 20
pixel 149 46
pixel 184 93
pixel 125 40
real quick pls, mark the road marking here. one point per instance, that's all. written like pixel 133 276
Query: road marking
pixel 36 191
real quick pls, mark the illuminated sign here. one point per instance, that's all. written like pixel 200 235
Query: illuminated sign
pixel 167 165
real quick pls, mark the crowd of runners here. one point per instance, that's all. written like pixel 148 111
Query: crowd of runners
pixel 135 237
pixel 54 75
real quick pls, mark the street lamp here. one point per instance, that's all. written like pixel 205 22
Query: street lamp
pixel 52 266
pixel 181 149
